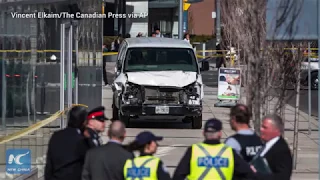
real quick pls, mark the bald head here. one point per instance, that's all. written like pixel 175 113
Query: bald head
pixel 117 130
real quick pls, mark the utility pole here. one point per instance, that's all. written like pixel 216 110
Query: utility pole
pixel 180 28
pixel 218 22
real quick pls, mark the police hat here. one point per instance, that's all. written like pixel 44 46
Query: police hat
pixel 146 137
pixel 213 125
pixel 97 114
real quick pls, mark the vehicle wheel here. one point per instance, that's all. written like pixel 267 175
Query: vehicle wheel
pixel 314 81
pixel 124 119
pixel 197 122
pixel 115 111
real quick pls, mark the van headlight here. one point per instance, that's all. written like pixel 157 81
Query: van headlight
pixel 192 93
pixel 132 93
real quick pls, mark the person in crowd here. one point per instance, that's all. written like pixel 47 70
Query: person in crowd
pixel 95 125
pixel 117 43
pixel 245 142
pixel 212 159
pixel 139 34
pixel 158 33
pixel 128 36
pixel 146 143
pixel 104 71
pixel 107 161
pixel 153 34
pixel 220 60
pixel 66 153
pixel 186 37
pixel 276 150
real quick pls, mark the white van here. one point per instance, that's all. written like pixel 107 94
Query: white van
pixel 157 79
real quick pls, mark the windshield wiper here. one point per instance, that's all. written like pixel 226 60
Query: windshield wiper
pixel 137 70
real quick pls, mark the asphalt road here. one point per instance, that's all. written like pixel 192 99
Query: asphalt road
pixel 304 101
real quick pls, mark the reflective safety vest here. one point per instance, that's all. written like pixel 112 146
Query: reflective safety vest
pixel 141 168
pixel 211 162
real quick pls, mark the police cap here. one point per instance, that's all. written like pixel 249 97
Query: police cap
pixel 97 114
pixel 213 125
pixel 145 137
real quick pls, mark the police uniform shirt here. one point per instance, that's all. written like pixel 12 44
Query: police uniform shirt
pixel 94 137
pixel 241 168
pixel 162 172
pixel 246 143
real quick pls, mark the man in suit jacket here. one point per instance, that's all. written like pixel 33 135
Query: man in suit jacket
pixel 276 150
pixel 67 148
pixel 107 161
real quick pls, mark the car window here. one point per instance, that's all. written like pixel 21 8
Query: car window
pixel 160 59
pixel 121 54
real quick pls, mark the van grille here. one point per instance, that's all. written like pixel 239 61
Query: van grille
pixel 156 95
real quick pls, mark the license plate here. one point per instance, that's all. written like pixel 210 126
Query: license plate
pixel 162 110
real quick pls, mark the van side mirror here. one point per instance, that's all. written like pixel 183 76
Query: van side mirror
pixel 205 66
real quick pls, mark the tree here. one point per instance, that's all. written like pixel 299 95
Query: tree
pixel 269 65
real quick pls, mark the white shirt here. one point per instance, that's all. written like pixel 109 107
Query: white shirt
pixel 188 40
pixel 159 35
pixel 112 46
pixel 269 145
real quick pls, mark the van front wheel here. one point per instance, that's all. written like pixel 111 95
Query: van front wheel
pixel 197 122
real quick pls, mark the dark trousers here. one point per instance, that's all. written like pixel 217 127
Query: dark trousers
pixel 220 61
pixel 104 71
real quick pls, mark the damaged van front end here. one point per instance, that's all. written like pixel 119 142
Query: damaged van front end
pixel 158 79
pixel 166 94
pixel 151 96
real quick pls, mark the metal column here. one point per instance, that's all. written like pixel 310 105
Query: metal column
pixel 218 22
pixel 318 85
pixel 69 68
pixel 123 20
pixel 62 31
pixel 309 89
pixel 3 78
pixel 76 67
pixel 180 27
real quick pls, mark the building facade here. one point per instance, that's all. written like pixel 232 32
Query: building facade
pixel 200 18
pixel 31 76
pixel 160 13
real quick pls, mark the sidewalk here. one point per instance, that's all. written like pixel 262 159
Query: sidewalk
pixel 307 166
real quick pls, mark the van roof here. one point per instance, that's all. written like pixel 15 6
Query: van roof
pixel 157 42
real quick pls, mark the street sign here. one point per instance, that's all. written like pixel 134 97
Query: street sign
pixel 66 80
pixel 229 84
pixel 185 21
pixel 186 5
pixel 214 15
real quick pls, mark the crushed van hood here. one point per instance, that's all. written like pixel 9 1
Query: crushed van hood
pixel 162 78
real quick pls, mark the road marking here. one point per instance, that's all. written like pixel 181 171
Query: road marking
pixel 163 151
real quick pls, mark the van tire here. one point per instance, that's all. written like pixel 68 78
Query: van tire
pixel 197 122
pixel 124 119
pixel 115 111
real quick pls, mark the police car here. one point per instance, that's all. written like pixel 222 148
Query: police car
pixel 157 79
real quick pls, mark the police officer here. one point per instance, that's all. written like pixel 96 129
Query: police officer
pixel 212 159
pixel 146 166
pixel 245 142
pixel 95 125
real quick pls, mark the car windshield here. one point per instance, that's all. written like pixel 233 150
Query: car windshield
pixel 160 59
